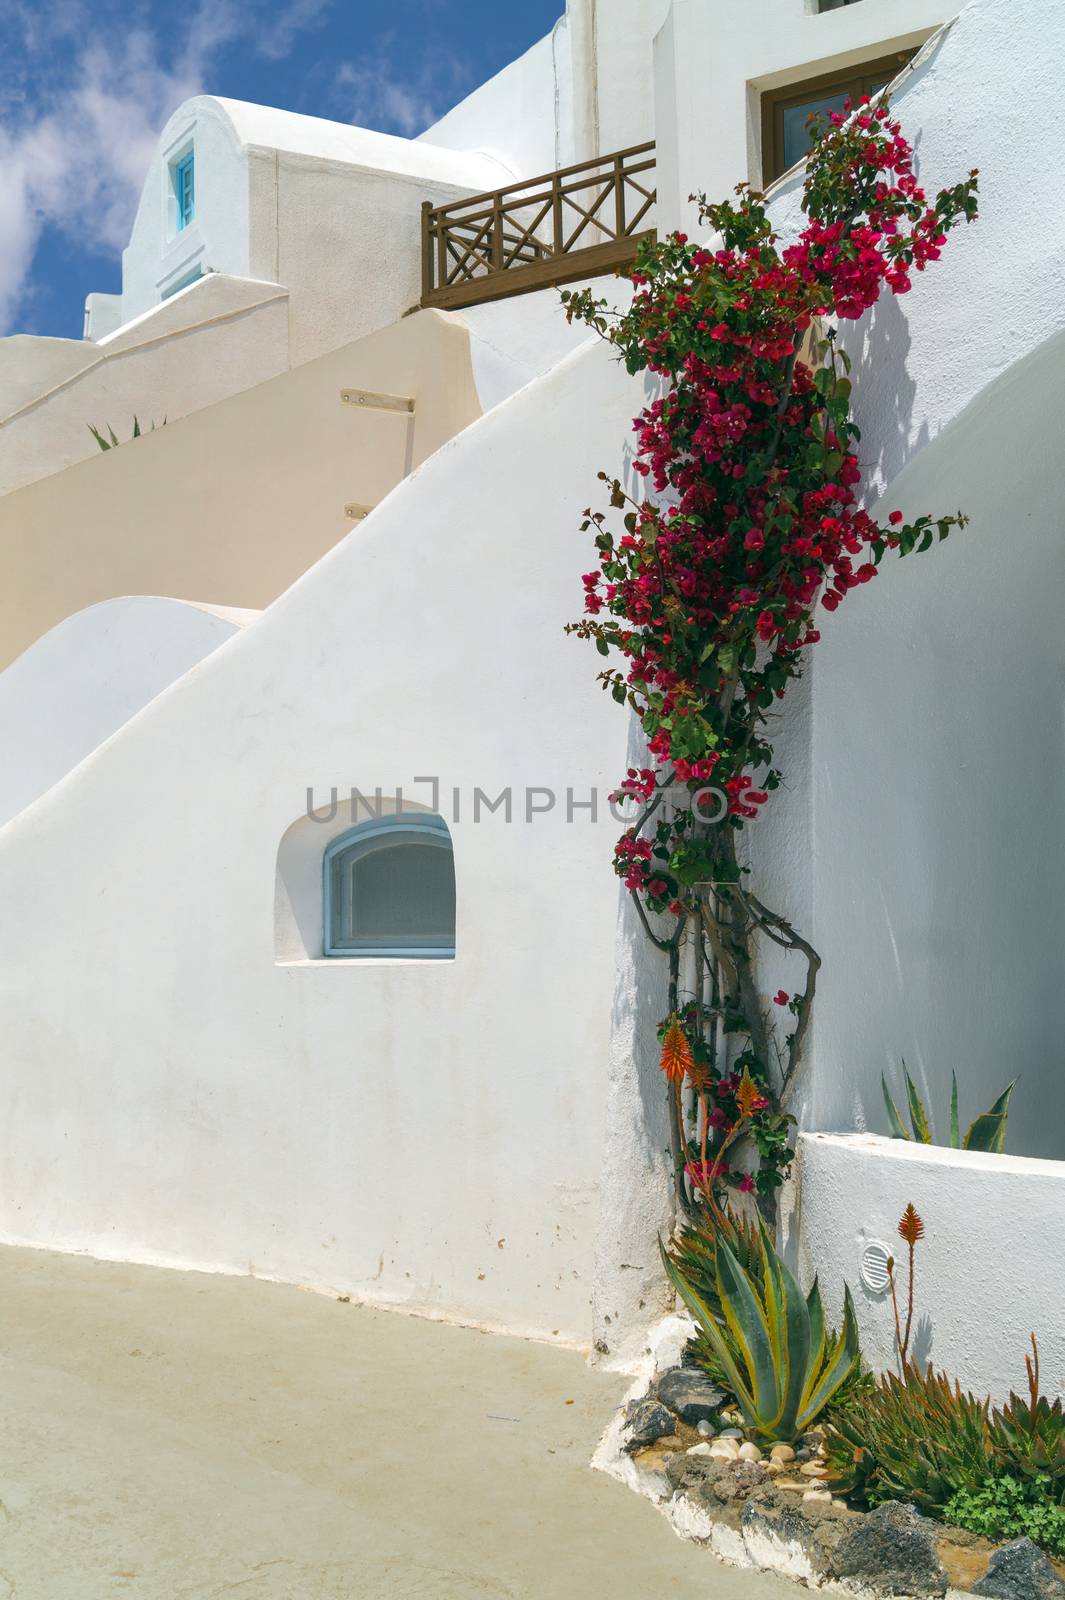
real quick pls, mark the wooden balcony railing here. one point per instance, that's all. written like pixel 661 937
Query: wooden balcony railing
pixel 575 223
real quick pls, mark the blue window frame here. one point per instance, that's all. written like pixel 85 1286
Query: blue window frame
pixel 389 889
pixel 185 190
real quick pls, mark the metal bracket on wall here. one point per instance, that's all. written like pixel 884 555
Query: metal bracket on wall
pixel 372 401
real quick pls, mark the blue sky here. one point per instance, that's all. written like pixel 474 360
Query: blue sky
pixel 85 86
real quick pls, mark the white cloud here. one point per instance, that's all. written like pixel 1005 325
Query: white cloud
pixel 77 160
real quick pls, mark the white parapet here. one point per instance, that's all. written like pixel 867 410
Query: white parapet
pixel 990 1269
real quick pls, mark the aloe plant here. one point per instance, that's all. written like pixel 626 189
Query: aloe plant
pixel 770 1339
pixel 987 1133
pixel 114 441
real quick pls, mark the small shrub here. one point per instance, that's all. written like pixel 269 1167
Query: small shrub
pixel 1009 1508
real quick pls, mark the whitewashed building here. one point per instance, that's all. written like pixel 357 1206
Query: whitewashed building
pixel 231 1041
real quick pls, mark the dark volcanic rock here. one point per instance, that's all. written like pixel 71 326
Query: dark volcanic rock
pixel 713 1483
pixel 691 1395
pixel 1020 1571
pixel 647 1421
pixel 811 1528
pixel 892 1551
pixel 733 1481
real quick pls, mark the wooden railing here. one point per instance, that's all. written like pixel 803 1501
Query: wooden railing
pixel 575 223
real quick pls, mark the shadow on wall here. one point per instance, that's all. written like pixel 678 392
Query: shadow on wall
pixel 939 787
pixel 883 346
pixel 636 1195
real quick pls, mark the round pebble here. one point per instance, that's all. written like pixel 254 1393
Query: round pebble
pixel 750 1452
pixel 731 1433
pixel 705 1429
pixel 781 1452
pixel 725 1450
pixel 702 1449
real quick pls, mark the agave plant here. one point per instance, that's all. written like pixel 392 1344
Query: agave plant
pixel 988 1132
pixel 770 1339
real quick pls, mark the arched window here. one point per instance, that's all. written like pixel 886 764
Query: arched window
pixel 390 889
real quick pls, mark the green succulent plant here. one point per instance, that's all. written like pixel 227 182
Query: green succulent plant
pixel 768 1338
pixel 988 1132
pixel 916 1439
pixel 922 1439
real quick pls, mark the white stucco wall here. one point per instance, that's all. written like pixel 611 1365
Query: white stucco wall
pixel 513 341
pixel 217 240
pixel 71 690
pixel 709 75
pixel 516 115
pixel 331 211
pixel 238 499
pixel 585 89
pixel 215 338
pixel 428 1134
pixel 939 789
pixel 989 1270
pixel 937 686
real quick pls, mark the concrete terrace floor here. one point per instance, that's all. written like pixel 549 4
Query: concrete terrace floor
pixel 179 1436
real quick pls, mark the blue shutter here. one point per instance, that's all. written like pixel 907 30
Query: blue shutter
pixel 185 190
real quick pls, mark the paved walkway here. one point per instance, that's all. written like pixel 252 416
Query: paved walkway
pixel 176 1436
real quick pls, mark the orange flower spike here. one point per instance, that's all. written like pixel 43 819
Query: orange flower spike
pixel 911 1228
pixel 676 1052
pixel 749 1098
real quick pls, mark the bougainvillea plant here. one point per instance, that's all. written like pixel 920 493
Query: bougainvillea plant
pixel 750 525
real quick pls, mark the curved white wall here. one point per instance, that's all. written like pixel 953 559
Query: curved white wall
pixel 989 1270
pixel 78 684
pixel 217 240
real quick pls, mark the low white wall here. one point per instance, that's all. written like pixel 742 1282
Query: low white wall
pixel 72 689
pixel 990 1269
pixel 217 337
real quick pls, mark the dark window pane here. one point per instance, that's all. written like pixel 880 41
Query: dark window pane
pixel 796 133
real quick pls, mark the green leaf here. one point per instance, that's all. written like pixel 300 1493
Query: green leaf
pixel 708 1323
pixel 955 1126
pixel 988 1132
pixel 898 1131
pixel 921 1131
